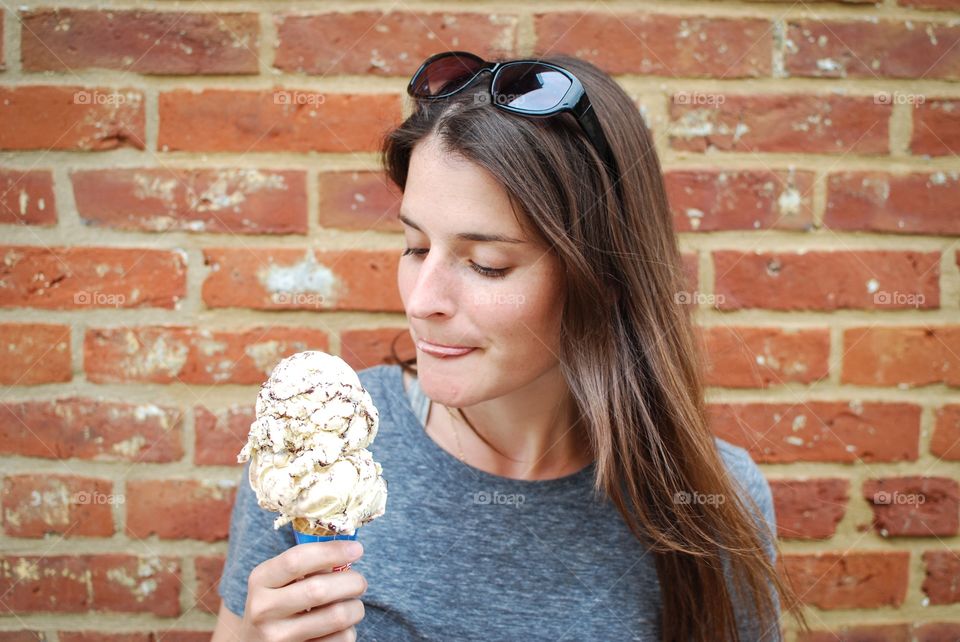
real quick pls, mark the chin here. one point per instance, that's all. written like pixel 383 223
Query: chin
pixel 443 387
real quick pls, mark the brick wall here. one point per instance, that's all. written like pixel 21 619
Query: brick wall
pixel 185 198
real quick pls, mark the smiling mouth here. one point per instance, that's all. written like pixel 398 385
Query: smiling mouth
pixel 441 351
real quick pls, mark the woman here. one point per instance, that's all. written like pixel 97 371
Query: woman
pixel 551 472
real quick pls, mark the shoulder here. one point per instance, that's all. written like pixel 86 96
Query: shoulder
pixel 751 480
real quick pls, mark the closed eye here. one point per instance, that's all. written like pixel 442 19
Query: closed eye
pixel 493 273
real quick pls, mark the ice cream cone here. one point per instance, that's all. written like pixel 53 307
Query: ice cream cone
pixel 305 534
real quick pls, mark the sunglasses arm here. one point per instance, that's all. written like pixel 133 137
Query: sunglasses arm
pixel 587 118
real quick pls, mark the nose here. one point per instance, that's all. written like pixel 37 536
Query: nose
pixel 434 289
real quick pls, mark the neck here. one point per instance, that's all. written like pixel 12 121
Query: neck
pixel 527 434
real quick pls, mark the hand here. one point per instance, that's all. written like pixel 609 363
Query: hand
pixel 297 596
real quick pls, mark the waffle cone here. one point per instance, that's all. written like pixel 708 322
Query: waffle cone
pixel 303 525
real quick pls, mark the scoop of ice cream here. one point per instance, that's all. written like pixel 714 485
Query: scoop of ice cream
pixel 307 447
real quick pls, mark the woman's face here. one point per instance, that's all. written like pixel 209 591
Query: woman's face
pixel 511 316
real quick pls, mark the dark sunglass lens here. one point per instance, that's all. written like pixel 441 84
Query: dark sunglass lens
pixel 445 75
pixel 530 86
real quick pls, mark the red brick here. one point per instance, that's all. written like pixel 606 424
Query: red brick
pixel 901 356
pixel 913 506
pixel 126 583
pixel 858 633
pixel 150 42
pixel 221 435
pixel 659 44
pixel 691 270
pixel 937 632
pixel 181 636
pixel 872 48
pixel 45 583
pixel 946 436
pixel 71 118
pixel 850 580
pixel 744 357
pixel 827 280
pixel 27 197
pixel 936 128
pixel 359 201
pixel 91 277
pixel 930 4
pixel 809 508
pixel 168 354
pixel 22 635
pixel 238 201
pixel 34 505
pixel 179 508
pixel 208 570
pixel 916 203
pixel 90 429
pixel 363 349
pixel 223 120
pixel 824 124
pixel 820 430
pixel 3 61
pixel 386 44
pixel 34 353
pixel 708 200
pixel 100 636
pixel 942 571
pixel 302 279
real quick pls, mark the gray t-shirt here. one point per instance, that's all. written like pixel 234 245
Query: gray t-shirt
pixel 462 554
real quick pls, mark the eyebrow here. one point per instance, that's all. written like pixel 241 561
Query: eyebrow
pixel 469 236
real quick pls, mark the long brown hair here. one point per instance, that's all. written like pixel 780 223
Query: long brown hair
pixel 628 349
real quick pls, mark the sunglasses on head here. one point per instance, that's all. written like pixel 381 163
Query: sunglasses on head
pixel 526 87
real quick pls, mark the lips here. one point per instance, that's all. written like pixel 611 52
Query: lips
pixel 443 350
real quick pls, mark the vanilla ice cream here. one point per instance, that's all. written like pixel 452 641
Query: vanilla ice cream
pixel 307 447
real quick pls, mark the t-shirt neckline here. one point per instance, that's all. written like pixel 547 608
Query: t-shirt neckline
pixel 452 463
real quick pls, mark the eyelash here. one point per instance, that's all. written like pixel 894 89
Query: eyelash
pixel 479 269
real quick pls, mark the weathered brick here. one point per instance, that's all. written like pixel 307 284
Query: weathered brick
pixel 179 508
pixel 302 279
pixel 149 42
pixel 915 203
pixel 70 118
pixel 34 353
pixel 816 124
pixel 81 583
pixel 936 127
pixel 34 505
pixel 90 429
pixel 102 636
pixel 238 201
pixel 709 200
pixel 871 279
pixel 386 43
pixel 945 443
pixel 359 201
pixel 858 633
pixel 91 277
pixel 745 357
pixel 225 120
pixel 930 4
pixel 942 571
pixel 168 354
pixel 937 632
pixel 872 48
pixel 901 356
pixel 809 508
pixel 221 435
pixel 659 44
pixel 363 349
pixel 913 506
pixel 820 430
pixel 849 580
pixel 208 570
pixel 27 197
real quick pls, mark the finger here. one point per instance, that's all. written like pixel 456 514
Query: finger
pixel 314 591
pixel 302 560
pixel 347 635
pixel 325 620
